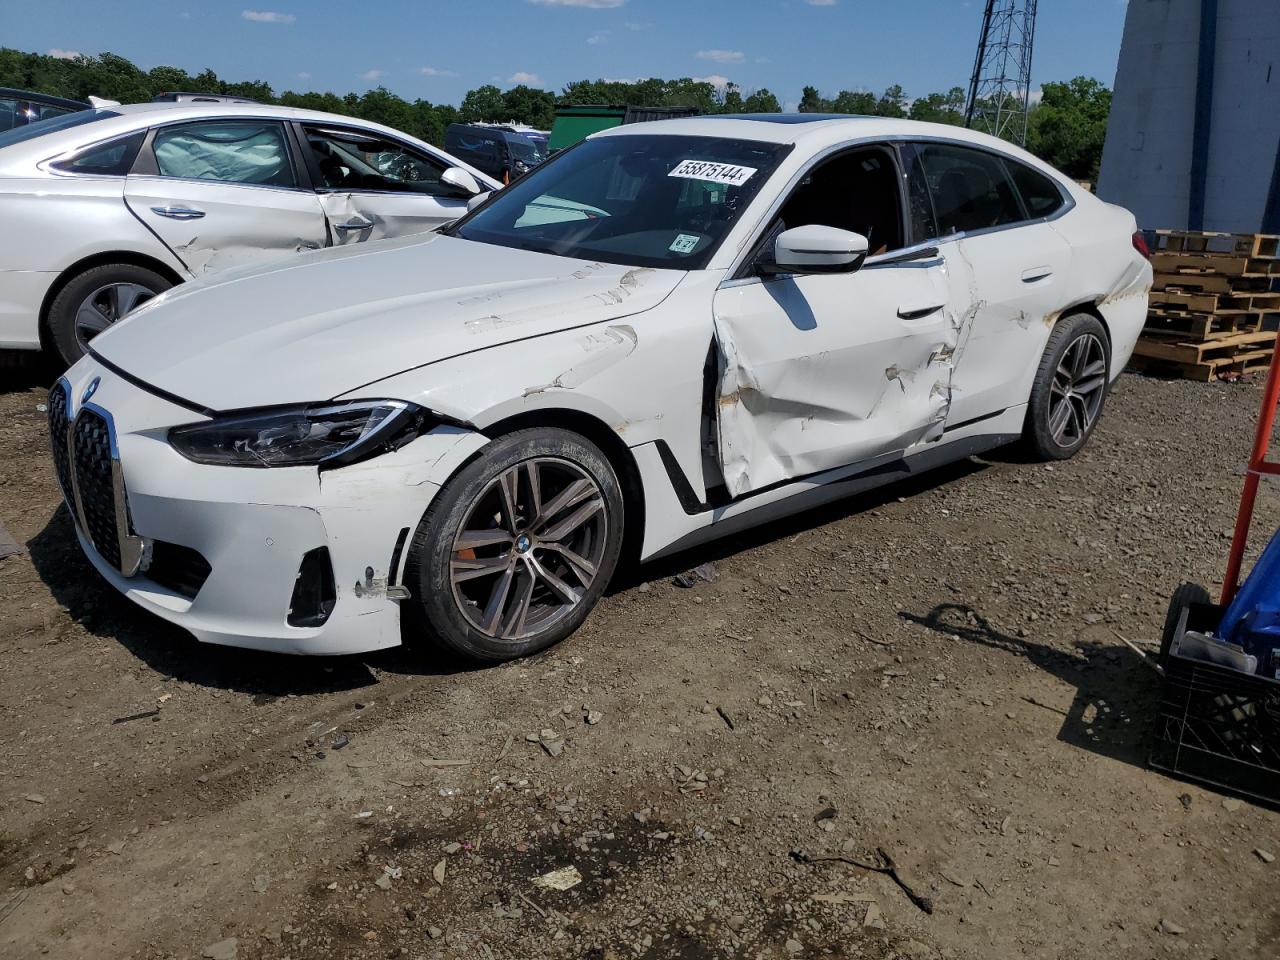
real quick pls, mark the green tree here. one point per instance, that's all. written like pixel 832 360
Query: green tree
pixel 1069 126
pixel 940 107
pixel 762 101
pixel 811 101
pixel 892 103
pixel 859 102
pixel 484 104
pixel 524 104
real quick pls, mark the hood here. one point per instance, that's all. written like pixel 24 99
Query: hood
pixel 323 324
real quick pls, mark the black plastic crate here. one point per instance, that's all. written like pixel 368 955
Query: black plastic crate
pixel 1216 725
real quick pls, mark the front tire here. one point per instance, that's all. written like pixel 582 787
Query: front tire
pixel 94 300
pixel 1069 390
pixel 518 547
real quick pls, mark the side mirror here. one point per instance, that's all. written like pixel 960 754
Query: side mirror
pixel 817 249
pixel 460 181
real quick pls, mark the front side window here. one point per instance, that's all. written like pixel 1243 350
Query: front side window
pixel 113 158
pixel 970 189
pixel 228 151
pixel 856 191
pixel 355 161
pixel 1040 194
pixel 648 200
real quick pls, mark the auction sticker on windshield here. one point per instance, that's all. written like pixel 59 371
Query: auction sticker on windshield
pixel 726 173
pixel 684 243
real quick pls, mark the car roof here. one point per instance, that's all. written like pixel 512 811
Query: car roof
pixel 797 127
pixel 123 119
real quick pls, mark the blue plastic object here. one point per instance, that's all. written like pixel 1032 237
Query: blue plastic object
pixel 1253 619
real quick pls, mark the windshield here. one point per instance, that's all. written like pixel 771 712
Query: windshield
pixel 641 200
pixel 522 148
pixel 52 125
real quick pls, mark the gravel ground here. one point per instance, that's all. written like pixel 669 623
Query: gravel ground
pixel 934 671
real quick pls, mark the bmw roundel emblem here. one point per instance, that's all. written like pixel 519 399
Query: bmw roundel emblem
pixel 90 390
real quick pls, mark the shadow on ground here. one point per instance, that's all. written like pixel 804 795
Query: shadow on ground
pixel 1116 696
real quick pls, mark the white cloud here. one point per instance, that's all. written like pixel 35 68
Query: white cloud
pixel 436 72
pixel 716 80
pixel 821 3
pixel 61 54
pixel 304 75
pixel 372 75
pixel 597 38
pixel 528 79
pixel 721 56
pixel 267 16
pixel 593 4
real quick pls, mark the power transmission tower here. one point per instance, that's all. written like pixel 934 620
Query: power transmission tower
pixel 999 93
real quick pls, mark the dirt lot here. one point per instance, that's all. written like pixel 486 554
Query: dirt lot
pixel 934 671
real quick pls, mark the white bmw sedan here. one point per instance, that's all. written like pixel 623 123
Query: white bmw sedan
pixel 664 334
pixel 105 208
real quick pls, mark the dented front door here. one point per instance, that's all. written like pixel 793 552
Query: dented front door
pixel 818 372
pixel 359 217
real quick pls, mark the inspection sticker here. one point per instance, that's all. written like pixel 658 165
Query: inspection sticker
pixel 684 243
pixel 727 173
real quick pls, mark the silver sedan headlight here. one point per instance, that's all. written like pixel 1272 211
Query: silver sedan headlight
pixel 327 435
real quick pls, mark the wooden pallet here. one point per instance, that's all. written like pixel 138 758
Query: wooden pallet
pixel 1223 368
pixel 1206 351
pixel 1221 264
pixel 1190 301
pixel 1211 283
pixel 1238 244
pixel 1194 327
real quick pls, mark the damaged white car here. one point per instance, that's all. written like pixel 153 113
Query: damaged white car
pixel 105 208
pixel 666 333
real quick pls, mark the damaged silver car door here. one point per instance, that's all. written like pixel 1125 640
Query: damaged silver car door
pixel 373 187
pixel 221 193
pixel 821 370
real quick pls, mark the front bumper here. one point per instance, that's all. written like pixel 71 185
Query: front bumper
pixel 251 527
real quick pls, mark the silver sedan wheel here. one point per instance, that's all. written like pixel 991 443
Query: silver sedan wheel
pixel 1075 397
pixel 529 548
pixel 105 306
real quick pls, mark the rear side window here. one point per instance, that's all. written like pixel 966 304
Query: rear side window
pixel 229 151
pixel 1040 194
pixel 970 189
pixel 113 158
pixel 29 131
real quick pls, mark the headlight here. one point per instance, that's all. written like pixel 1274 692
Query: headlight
pixel 329 435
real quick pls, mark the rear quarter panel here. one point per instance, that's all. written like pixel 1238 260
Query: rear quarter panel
pixel 51 224
pixel 1106 271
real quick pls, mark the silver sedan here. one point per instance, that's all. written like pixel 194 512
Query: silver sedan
pixel 103 209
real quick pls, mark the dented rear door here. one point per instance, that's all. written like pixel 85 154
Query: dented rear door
pixel 818 372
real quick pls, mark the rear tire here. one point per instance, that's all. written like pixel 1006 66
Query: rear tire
pixel 1069 390
pixel 94 300
pixel 518 547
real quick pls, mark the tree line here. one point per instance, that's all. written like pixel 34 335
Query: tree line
pixel 1066 127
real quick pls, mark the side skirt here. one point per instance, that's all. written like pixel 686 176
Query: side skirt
pixel 815 491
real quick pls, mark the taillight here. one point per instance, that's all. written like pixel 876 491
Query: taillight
pixel 1140 244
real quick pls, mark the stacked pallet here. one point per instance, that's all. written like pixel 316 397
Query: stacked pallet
pixel 1210 305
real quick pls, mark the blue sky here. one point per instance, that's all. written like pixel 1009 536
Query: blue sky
pixel 439 49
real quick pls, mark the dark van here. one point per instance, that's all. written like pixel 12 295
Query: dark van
pixel 501 152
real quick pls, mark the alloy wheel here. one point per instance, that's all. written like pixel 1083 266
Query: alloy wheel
pixel 529 548
pixel 105 306
pixel 1075 396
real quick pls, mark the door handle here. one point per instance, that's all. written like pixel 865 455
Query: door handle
pixel 1032 274
pixel 355 223
pixel 918 311
pixel 178 213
